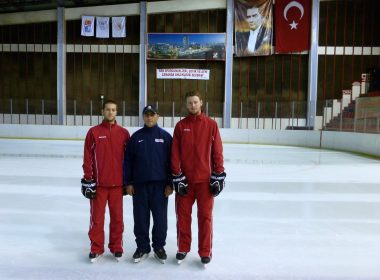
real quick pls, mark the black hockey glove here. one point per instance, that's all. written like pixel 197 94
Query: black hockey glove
pixel 180 184
pixel 217 182
pixel 88 188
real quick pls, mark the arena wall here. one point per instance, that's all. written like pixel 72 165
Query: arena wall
pixel 346 141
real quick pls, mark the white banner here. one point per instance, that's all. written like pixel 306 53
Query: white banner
pixel 102 27
pixel 88 26
pixel 182 73
pixel 118 27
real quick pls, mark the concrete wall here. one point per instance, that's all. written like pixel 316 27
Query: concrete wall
pixel 346 141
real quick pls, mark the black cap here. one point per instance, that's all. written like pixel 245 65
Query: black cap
pixel 149 108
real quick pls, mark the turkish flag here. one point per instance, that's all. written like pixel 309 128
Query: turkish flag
pixel 292 25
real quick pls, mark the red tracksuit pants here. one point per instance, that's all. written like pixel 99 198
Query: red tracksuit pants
pixel 114 197
pixel 184 204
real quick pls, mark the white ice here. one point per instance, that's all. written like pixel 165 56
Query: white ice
pixel 287 213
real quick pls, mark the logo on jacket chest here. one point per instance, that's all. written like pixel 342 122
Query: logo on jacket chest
pixel 186 129
pixel 102 137
pixel 157 140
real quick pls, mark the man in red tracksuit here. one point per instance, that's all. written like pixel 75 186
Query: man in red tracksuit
pixel 198 174
pixel 103 181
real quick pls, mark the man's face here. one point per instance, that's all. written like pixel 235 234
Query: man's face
pixel 254 18
pixel 109 112
pixel 150 119
pixel 194 105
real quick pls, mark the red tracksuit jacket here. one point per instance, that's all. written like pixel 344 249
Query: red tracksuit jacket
pixel 197 148
pixel 104 154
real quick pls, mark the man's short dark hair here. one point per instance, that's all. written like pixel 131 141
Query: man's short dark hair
pixel 193 93
pixel 109 101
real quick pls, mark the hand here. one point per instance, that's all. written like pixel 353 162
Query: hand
pixel 130 190
pixel 217 183
pixel 168 190
pixel 180 184
pixel 88 188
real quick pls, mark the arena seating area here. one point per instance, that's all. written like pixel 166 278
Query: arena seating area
pixel 345 121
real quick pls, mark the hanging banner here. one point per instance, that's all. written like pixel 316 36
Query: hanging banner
pixel 102 27
pixel 87 25
pixel 253 27
pixel 182 73
pixel 292 25
pixel 187 46
pixel 118 27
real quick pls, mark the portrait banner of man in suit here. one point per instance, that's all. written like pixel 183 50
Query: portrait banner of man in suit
pixel 253 27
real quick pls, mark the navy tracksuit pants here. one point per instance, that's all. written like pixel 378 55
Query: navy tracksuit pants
pixel 150 197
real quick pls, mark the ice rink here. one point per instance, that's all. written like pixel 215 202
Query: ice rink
pixel 287 213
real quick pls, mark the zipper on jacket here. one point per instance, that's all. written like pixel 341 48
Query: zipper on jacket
pixel 112 154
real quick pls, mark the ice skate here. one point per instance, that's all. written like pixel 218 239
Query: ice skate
pixel 180 256
pixel 205 261
pixel 160 255
pixel 94 257
pixel 118 255
pixel 139 256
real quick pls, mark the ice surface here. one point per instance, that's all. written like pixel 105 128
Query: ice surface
pixel 287 213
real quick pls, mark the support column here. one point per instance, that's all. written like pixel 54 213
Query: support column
pixel 142 63
pixel 313 67
pixel 228 66
pixel 61 66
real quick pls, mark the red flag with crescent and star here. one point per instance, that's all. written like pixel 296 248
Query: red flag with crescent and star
pixel 292 25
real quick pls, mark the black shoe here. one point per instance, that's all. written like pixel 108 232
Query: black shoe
pixel 94 257
pixel 160 255
pixel 205 260
pixel 117 255
pixel 180 256
pixel 139 256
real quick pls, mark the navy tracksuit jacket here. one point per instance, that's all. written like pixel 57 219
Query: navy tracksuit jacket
pixel 147 168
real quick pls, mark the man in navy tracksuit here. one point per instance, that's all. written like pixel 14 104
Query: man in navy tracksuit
pixel 147 177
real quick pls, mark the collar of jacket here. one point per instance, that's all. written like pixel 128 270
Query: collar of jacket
pixel 150 128
pixel 108 124
pixel 196 117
